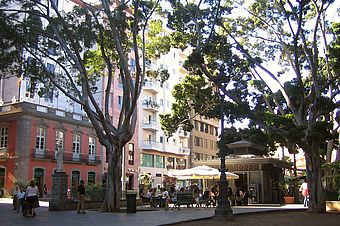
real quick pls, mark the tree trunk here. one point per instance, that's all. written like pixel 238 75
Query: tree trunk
pixel 112 198
pixel 317 201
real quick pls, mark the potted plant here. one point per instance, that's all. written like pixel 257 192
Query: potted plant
pixel 287 190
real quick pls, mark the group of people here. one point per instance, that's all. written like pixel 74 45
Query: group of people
pixel 158 197
pixel 161 197
pixel 27 199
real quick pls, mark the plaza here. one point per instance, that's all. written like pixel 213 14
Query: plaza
pixel 143 217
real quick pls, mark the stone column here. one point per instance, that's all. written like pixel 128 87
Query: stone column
pixel 59 192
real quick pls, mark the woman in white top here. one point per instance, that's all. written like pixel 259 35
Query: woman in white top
pixel 32 200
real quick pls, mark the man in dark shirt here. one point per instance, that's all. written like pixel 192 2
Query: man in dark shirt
pixel 81 196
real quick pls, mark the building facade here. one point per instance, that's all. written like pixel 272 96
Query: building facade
pixel 30 133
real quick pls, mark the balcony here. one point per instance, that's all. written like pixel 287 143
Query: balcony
pixel 151 86
pixel 151 145
pixel 3 153
pixel 69 157
pixel 150 105
pixel 184 151
pixel 151 125
pixel 183 134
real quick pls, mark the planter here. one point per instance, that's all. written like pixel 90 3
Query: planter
pixel 289 199
pixel 332 205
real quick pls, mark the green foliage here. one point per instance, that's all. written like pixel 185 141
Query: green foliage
pixel 94 187
pixel 193 93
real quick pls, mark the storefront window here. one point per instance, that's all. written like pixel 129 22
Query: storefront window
pixel 159 161
pixel 147 160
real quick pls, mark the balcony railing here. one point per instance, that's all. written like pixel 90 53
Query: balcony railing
pixel 151 86
pixel 3 152
pixel 182 133
pixel 69 157
pixel 185 151
pixel 151 125
pixel 150 105
pixel 151 145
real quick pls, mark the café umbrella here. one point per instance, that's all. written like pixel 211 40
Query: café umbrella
pixel 200 172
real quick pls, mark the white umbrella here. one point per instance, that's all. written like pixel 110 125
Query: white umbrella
pixel 200 172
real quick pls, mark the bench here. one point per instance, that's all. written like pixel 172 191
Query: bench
pixel 204 201
pixel 184 198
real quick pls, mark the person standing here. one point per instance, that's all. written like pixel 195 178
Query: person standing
pixel 15 198
pixel 32 200
pixel 21 200
pixel 45 190
pixel 304 190
pixel 165 199
pixel 81 197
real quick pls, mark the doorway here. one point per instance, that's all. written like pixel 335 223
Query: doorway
pixel 39 180
pixel 75 182
pixel 242 181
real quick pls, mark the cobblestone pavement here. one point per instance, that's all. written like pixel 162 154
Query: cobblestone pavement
pixel 9 217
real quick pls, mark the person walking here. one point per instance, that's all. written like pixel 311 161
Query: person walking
pixel 304 190
pixel 81 197
pixel 32 193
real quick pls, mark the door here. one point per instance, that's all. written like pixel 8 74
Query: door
pixel 39 180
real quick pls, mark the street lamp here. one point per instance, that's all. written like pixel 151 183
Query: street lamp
pixel 223 210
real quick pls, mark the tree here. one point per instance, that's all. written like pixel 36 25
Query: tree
pixel 89 43
pixel 290 34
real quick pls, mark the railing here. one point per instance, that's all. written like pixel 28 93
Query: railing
pixel 30 107
pixel 68 156
pixel 183 133
pixel 151 124
pixel 151 85
pixel 150 104
pixel 151 145
pixel 184 150
pixel 3 152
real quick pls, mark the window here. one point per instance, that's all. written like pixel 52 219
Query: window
pixel 159 161
pixel 131 154
pixel 2 177
pixel 40 138
pixel 132 65
pixel 211 130
pixel 91 178
pixel 92 146
pixel 147 160
pixel 51 48
pixel 55 2
pixel 180 163
pixel 202 127
pixel 170 163
pixel 50 68
pixel 59 139
pixel 161 139
pixel 76 144
pixel 197 141
pixel 161 102
pixel 196 125
pixel 4 137
pixel 75 181
pixel 120 102
pixel 206 128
